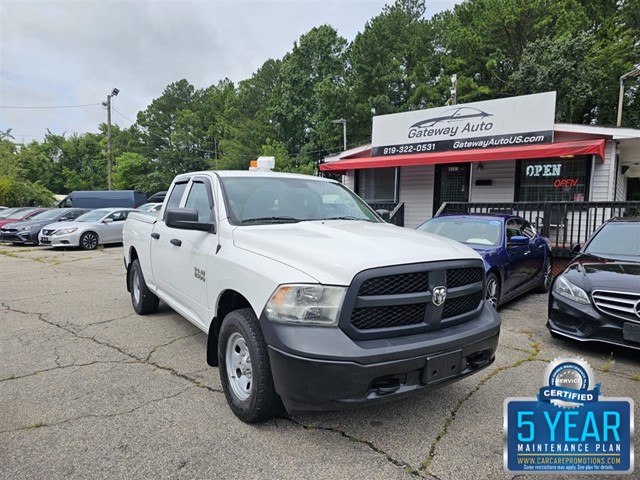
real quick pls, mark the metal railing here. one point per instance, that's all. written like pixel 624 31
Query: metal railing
pixel 396 211
pixel 564 223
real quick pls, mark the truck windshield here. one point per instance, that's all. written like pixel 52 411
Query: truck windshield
pixel 268 200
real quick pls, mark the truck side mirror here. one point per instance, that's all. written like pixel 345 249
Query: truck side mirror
pixel 187 219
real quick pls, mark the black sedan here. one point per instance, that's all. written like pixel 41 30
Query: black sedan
pixel 27 231
pixel 597 297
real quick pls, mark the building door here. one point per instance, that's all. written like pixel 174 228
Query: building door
pixel 451 184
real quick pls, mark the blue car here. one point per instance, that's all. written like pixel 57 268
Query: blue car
pixel 516 257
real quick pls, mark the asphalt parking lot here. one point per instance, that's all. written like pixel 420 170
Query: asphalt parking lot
pixel 89 389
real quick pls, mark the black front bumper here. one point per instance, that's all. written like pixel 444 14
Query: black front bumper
pixel 586 324
pixel 316 368
pixel 18 237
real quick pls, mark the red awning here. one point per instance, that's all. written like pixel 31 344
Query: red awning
pixel 559 149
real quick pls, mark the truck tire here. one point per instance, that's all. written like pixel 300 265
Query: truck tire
pixel 245 371
pixel 143 300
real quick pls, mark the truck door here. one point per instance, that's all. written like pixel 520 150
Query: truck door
pixel 182 270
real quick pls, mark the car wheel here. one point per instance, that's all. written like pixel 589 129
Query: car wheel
pixel 245 371
pixel 88 241
pixel 492 290
pixel 143 300
pixel 547 277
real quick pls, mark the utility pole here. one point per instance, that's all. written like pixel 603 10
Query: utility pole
pixel 454 88
pixel 114 93
pixel 344 131
pixel 635 73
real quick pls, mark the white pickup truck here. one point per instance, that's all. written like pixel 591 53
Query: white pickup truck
pixel 309 299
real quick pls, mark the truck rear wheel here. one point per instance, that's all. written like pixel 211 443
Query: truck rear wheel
pixel 143 300
pixel 245 371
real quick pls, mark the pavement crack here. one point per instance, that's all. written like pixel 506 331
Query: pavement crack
pixel 62 367
pixel 157 347
pixel 534 351
pixel 93 415
pixel 398 463
pixel 135 358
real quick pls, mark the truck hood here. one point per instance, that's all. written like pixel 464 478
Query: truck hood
pixel 333 252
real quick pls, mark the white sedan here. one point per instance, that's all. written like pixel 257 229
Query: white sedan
pixel 97 227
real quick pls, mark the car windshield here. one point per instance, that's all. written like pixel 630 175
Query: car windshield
pixel 9 211
pixel 92 216
pixel 616 239
pixel 264 200
pixel 477 231
pixel 46 215
pixel 21 213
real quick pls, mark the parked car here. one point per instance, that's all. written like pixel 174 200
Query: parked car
pixel 516 257
pixel 597 297
pixel 97 227
pixel 103 199
pixel 153 207
pixel 27 231
pixel 5 213
pixel 21 214
pixel 157 197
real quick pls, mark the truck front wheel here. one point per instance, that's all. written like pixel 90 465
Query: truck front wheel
pixel 143 300
pixel 245 371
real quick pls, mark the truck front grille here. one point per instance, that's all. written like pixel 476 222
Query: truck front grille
pixel 458 306
pixel 395 284
pixel 385 317
pixel 393 301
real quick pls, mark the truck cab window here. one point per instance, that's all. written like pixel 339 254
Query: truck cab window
pixel 198 199
pixel 176 195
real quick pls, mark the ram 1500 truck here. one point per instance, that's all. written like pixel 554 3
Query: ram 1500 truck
pixel 309 299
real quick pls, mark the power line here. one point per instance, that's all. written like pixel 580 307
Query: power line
pixel 43 107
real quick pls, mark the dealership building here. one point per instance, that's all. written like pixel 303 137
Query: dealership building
pixel 496 156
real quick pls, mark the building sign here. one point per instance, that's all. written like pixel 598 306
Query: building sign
pixel 525 120
pixel 569 427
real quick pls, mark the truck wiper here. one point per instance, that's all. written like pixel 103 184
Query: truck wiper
pixel 347 217
pixel 248 221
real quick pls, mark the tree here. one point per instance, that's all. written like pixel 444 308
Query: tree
pixel 311 72
pixel 393 66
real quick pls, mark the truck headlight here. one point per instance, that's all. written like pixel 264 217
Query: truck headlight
pixel 306 304
pixel 65 231
pixel 565 288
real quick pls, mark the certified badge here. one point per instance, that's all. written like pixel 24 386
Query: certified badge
pixel 568 427
pixel 569 383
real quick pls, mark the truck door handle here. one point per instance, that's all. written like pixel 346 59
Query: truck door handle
pixel 155 235
pixel 176 242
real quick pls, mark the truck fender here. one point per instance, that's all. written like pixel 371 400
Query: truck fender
pixel 229 301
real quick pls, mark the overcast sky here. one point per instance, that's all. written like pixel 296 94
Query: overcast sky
pixel 67 53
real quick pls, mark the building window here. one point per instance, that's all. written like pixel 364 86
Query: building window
pixel 377 185
pixel 553 180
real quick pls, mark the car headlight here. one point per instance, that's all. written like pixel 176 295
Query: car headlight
pixel 23 229
pixel 567 289
pixel 65 231
pixel 306 304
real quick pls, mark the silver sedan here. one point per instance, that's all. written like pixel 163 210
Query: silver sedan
pixel 97 227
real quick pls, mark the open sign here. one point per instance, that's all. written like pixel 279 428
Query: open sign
pixel 565 182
